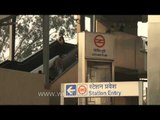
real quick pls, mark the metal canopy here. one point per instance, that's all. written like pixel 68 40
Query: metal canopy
pixel 4 18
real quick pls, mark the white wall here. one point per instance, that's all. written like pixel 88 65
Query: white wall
pixel 153 65
pixel 21 88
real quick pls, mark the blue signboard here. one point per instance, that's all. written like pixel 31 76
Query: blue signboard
pixel 70 90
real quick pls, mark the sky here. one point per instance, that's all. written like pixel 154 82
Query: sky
pixel 142 29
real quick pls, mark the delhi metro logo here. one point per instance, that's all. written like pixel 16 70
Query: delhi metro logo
pixel 82 89
pixel 99 41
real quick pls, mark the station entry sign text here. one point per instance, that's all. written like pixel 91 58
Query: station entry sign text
pixel 101 89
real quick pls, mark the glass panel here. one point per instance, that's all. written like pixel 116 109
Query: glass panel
pixel 4 42
pixel 87 24
pixel 28 39
pixel 99 72
pixel 29 33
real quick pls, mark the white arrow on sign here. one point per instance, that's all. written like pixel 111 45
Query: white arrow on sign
pixel 70 90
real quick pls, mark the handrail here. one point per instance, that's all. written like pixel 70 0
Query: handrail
pixel 68 61
pixel 66 70
pixel 36 60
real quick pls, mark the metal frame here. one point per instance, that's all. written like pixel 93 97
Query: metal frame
pixel 140 99
pixel 12 38
pixel 46 48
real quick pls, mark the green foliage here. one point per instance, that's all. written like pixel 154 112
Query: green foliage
pixel 4 41
pixel 29 33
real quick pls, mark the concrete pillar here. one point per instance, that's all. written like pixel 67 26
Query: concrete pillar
pixel 78 24
pixel 12 38
pixel 46 47
pixel 153 65
pixel 94 23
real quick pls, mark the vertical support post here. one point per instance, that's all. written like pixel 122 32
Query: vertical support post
pixel 153 58
pixel 113 71
pixel 140 98
pixel 82 23
pixel 112 80
pixel 46 48
pixel 146 96
pixel 12 39
pixel 62 95
pixel 82 64
pixel 94 23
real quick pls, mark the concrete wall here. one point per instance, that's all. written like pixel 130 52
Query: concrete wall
pixel 21 88
pixel 127 51
pixel 70 76
pixel 153 65
pixel 124 51
pixel 127 47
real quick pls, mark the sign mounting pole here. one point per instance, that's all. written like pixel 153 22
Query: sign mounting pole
pixel 140 98
pixel 62 95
